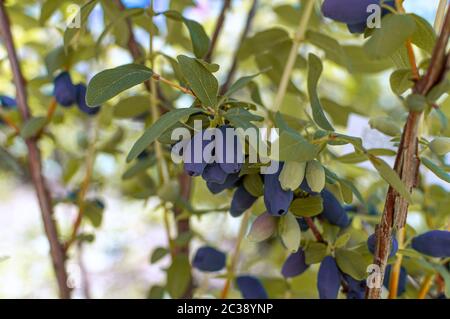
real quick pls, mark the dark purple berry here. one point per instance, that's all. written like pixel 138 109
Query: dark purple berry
pixel 229 151
pixel 81 101
pixel 276 199
pixel 7 102
pixel 294 265
pixel 230 182
pixel 251 288
pixel 214 173
pixel 333 211
pixel 303 224
pixel 372 242
pixel 328 279
pixel 209 259
pixel 65 92
pixel 401 288
pixel 435 243
pixel 194 161
pixel 242 200
pixel 356 289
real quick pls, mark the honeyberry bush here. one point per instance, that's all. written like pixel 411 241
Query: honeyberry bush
pixel 342 206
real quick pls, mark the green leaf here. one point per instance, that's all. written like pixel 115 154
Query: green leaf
pixel 93 211
pixel 201 81
pixel 314 71
pixel 385 125
pixel 390 176
pixel 294 147
pixel 332 48
pixel 109 83
pixel 156 292
pixel 132 106
pixel 342 240
pixel 140 167
pixel 424 36
pixel 395 30
pixel 33 126
pixel 178 276
pixel 351 263
pixel 48 9
pixel 438 171
pixel 242 118
pixel 8 162
pixel 240 84
pixel 315 253
pixel 253 184
pixel 71 35
pixel 154 131
pixel 401 80
pixel 290 232
pixel 158 254
pixel 307 207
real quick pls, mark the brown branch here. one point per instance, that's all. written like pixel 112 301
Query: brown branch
pixel 407 161
pixel 219 24
pixel 245 31
pixel 314 230
pixel 56 250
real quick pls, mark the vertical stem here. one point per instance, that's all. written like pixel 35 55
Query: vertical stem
pixel 426 285
pixel 395 272
pixel 440 15
pixel 298 38
pixel 34 160
pixel 219 25
pixel 234 259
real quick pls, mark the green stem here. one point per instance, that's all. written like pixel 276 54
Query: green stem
pixel 299 37
pixel 440 15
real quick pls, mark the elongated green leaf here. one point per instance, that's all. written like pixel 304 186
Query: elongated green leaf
pixel 315 252
pixel 201 81
pixel 7 161
pixel 390 176
pixel 307 207
pixel 424 36
pixel 178 276
pixel 395 30
pixel 401 80
pixel 109 83
pixel 241 83
pixel 154 131
pixel 158 254
pixel 132 106
pixel 314 71
pixel 72 34
pixel 48 9
pixel 33 126
pixel 240 117
pixel 438 171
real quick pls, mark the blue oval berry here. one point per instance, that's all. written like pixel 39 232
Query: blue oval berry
pixel 81 101
pixel 294 265
pixel 242 200
pixel 229 151
pixel 371 244
pixel 209 259
pixel 230 182
pixel 356 288
pixel 276 199
pixel 64 91
pixel 328 279
pixel 7 102
pixel 193 154
pixel 303 224
pixel 333 211
pixel 435 243
pixel 251 288
pixel 214 173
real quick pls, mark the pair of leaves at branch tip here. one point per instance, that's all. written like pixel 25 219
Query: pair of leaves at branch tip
pixel 314 72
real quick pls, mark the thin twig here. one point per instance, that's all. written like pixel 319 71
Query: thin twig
pixel 34 159
pixel 245 31
pixel 236 253
pixel 219 24
pixel 299 37
pixel 407 162
pixel 314 229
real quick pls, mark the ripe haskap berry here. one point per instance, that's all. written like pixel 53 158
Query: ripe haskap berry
pixel 294 265
pixel 333 211
pixel 193 154
pixel 209 259
pixel 276 199
pixel 401 288
pixel 65 92
pixel 214 173
pixel 435 243
pixel 230 182
pixel 251 288
pixel 328 279
pixel 242 200
pixel 356 288
pixel 81 101
pixel 7 102
pixel 371 244
pixel 352 12
pixel 229 151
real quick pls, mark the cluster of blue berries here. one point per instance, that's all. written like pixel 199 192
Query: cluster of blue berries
pixel 67 94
